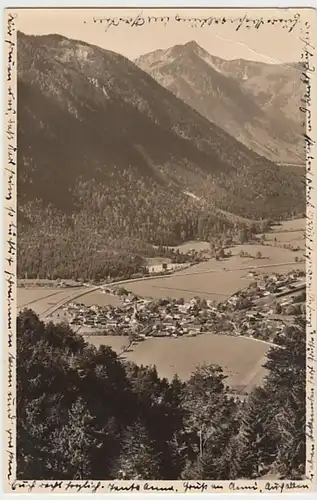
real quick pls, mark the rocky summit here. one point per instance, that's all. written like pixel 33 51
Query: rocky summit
pixel 257 103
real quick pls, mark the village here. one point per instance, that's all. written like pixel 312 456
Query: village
pixel 260 311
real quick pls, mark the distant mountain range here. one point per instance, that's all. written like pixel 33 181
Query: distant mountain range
pixel 107 154
pixel 256 103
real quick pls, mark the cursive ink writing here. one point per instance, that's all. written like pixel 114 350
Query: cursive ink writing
pixel 241 487
pixel 275 486
pixel 72 485
pixel 23 485
pixel 11 45
pixel 308 69
pixel 246 21
pixel 10 236
pixel 151 487
pixel 115 487
pixel 11 459
pixel 197 486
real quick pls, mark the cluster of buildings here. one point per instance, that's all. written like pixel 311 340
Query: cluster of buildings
pixel 167 267
pixel 259 325
pixel 250 312
pixel 260 311
pixel 164 317
pixel 273 285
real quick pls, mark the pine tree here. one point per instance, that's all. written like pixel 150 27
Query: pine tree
pixel 253 445
pixel 137 459
pixel 290 460
pixel 74 443
pixel 208 412
pixel 286 382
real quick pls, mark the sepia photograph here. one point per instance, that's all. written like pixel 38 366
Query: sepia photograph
pixel 160 234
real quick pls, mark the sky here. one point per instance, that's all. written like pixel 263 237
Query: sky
pixel 270 44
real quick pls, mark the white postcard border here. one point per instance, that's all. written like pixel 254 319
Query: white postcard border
pixel 307 20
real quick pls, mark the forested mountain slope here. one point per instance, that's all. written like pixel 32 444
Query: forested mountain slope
pixel 105 157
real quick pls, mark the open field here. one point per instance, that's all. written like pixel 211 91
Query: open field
pixel 217 280
pixel 41 299
pixel 291 225
pixel 27 296
pixel 279 230
pixel 290 232
pixel 241 358
pixel 197 246
pixel 100 299
pixel 216 286
pixel 294 238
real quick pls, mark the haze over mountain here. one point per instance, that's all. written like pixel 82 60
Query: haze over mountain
pixel 108 155
pixel 256 103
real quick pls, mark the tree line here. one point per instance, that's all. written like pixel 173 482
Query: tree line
pixel 113 234
pixel 84 413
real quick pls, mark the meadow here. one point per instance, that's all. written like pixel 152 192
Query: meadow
pixel 291 225
pixel 197 246
pixel 41 299
pixel 99 298
pixel 214 280
pixel 241 358
pixel 218 280
pixel 294 238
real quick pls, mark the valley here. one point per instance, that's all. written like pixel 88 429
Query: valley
pixel 213 280
pixel 82 152
pixel 161 259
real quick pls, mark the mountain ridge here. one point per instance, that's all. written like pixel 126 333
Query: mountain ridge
pixel 275 135
pixel 93 129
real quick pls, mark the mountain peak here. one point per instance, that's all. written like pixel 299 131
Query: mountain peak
pixel 93 130
pixel 232 92
pixel 192 45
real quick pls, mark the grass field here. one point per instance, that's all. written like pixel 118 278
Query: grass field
pixel 294 238
pixel 291 225
pixel 192 245
pixel 100 299
pixel 217 280
pixel 290 232
pixel 241 358
pixel 40 299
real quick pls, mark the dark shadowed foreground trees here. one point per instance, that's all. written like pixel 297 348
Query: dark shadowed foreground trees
pixel 84 414
pixel 272 421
